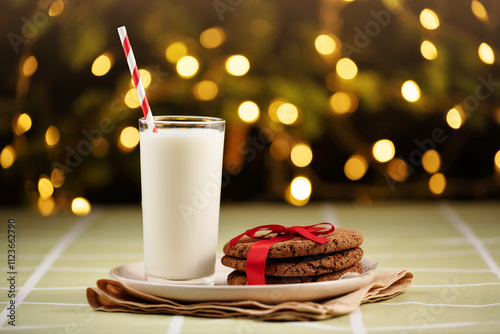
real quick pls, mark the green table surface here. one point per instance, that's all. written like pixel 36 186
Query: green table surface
pixel 453 249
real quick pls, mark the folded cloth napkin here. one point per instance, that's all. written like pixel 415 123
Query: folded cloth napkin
pixel 112 296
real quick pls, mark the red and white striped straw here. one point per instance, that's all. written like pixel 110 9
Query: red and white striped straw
pixel 134 71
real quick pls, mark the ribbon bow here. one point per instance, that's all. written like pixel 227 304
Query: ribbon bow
pixel 257 255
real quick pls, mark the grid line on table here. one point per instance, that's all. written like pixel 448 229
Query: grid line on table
pixel 356 319
pixel 47 262
pixel 453 285
pixel 435 254
pixel 329 214
pixel 461 225
pixel 396 328
pixel 175 325
pixel 434 326
pixel 53 288
pixel 49 303
pixel 79 269
pixel 443 270
pixel 439 305
pixel 114 256
pixel 84 269
pixel 61 288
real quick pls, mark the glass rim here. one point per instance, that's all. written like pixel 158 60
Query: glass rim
pixel 183 120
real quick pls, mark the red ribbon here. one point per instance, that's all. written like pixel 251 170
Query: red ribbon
pixel 257 255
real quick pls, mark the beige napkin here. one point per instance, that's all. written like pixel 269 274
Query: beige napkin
pixel 113 296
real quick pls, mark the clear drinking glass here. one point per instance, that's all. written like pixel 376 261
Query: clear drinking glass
pixel 181 170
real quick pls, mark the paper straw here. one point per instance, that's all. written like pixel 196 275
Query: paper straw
pixel 136 77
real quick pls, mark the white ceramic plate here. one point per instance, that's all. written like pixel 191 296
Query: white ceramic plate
pixel 132 275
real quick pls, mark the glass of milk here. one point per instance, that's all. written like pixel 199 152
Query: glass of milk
pixel 181 170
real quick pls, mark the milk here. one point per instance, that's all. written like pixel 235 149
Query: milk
pixel 181 181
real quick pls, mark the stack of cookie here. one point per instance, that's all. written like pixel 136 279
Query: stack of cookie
pixel 300 260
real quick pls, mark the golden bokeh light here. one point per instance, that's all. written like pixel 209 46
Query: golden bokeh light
pixel 22 124
pixel 273 109
pixel 129 138
pixel 325 44
pixel 7 156
pixel 30 66
pixel 176 51
pixel 212 37
pixel 410 91
pixel 205 90
pixel 395 6
pixel 57 177
pixel 145 78
pixel 497 161
pixel 287 113
pixel 280 149
pixel 355 167
pixel 479 11
pixel 45 187
pixel 437 183
pixel 342 103
pixel 187 67
pixel 300 188
pixel 431 161
pixel 428 50
pixel 397 170
pixel 101 65
pixel 294 201
pixel 52 136
pixel 486 54
pixel 248 112
pixel 301 155
pixel 383 150
pixel 56 8
pixel 455 117
pixel 80 206
pixel 131 99
pixel 45 206
pixel 346 68
pixel 429 19
pixel 237 65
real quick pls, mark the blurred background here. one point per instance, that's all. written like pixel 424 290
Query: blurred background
pixel 362 100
